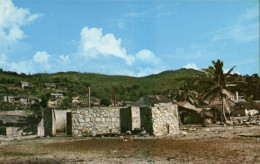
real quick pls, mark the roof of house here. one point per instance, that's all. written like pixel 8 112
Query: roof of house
pixel 24 82
pixel 187 105
pixel 181 103
pixel 50 84
pixel 57 94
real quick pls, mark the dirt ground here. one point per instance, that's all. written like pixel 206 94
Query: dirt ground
pixel 199 145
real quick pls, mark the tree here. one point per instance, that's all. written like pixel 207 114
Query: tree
pixel 218 84
pixel 105 102
pixel 66 102
pixel 185 93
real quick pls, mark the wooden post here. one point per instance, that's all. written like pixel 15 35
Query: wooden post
pixel 89 102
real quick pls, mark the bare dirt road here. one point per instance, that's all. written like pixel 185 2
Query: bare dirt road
pixel 200 145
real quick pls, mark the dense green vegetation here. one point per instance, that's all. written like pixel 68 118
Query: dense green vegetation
pixel 167 83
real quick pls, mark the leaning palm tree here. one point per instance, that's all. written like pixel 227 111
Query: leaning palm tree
pixel 218 85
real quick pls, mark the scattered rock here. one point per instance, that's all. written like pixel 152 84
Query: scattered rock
pixel 183 132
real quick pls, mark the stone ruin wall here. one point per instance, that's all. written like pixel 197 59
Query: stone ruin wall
pixel 104 120
pixel 96 121
pixel 165 119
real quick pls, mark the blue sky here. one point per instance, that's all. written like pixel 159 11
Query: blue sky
pixel 135 38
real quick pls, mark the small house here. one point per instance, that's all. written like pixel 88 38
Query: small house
pixel 55 96
pixel 25 85
pixel 50 86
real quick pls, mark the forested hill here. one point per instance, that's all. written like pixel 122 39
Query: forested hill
pixel 75 83
pixel 127 88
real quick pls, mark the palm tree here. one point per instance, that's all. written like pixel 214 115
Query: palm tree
pixel 218 84
pixel 185 93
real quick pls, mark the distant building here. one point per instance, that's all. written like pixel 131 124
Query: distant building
pixel 11 99
pixel 26 85
pixel 57 96
pixel 21 99
pixel 50 85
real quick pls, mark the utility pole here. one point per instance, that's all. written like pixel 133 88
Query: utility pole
pixel 89 102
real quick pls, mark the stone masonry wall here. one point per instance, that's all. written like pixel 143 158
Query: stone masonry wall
pixel 95 121
pixel 165 119
pixel 136 119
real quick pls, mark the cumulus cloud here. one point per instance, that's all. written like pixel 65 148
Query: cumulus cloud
pixel 22 67
pixel 41 57
pixel 94 43
pixel 12 18
pixel 19 67
pixel 103 50
pixel 146 56
pixel 191 66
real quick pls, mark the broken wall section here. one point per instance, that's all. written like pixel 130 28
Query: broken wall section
pixel 165 119
pixel 96 121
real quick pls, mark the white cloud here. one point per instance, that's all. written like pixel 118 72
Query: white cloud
pixel 41 57
pixel 191 66
pixel 146 56
pixel 22 67
pixel 19 67
pixel 64 59
pixel 245 29
pixel 12 18
pixel 94 43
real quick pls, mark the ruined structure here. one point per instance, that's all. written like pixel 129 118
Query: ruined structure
pixel 165 119
pixel 162 119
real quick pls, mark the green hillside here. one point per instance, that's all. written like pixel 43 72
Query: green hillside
pixel 75 83
pixel 127 88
